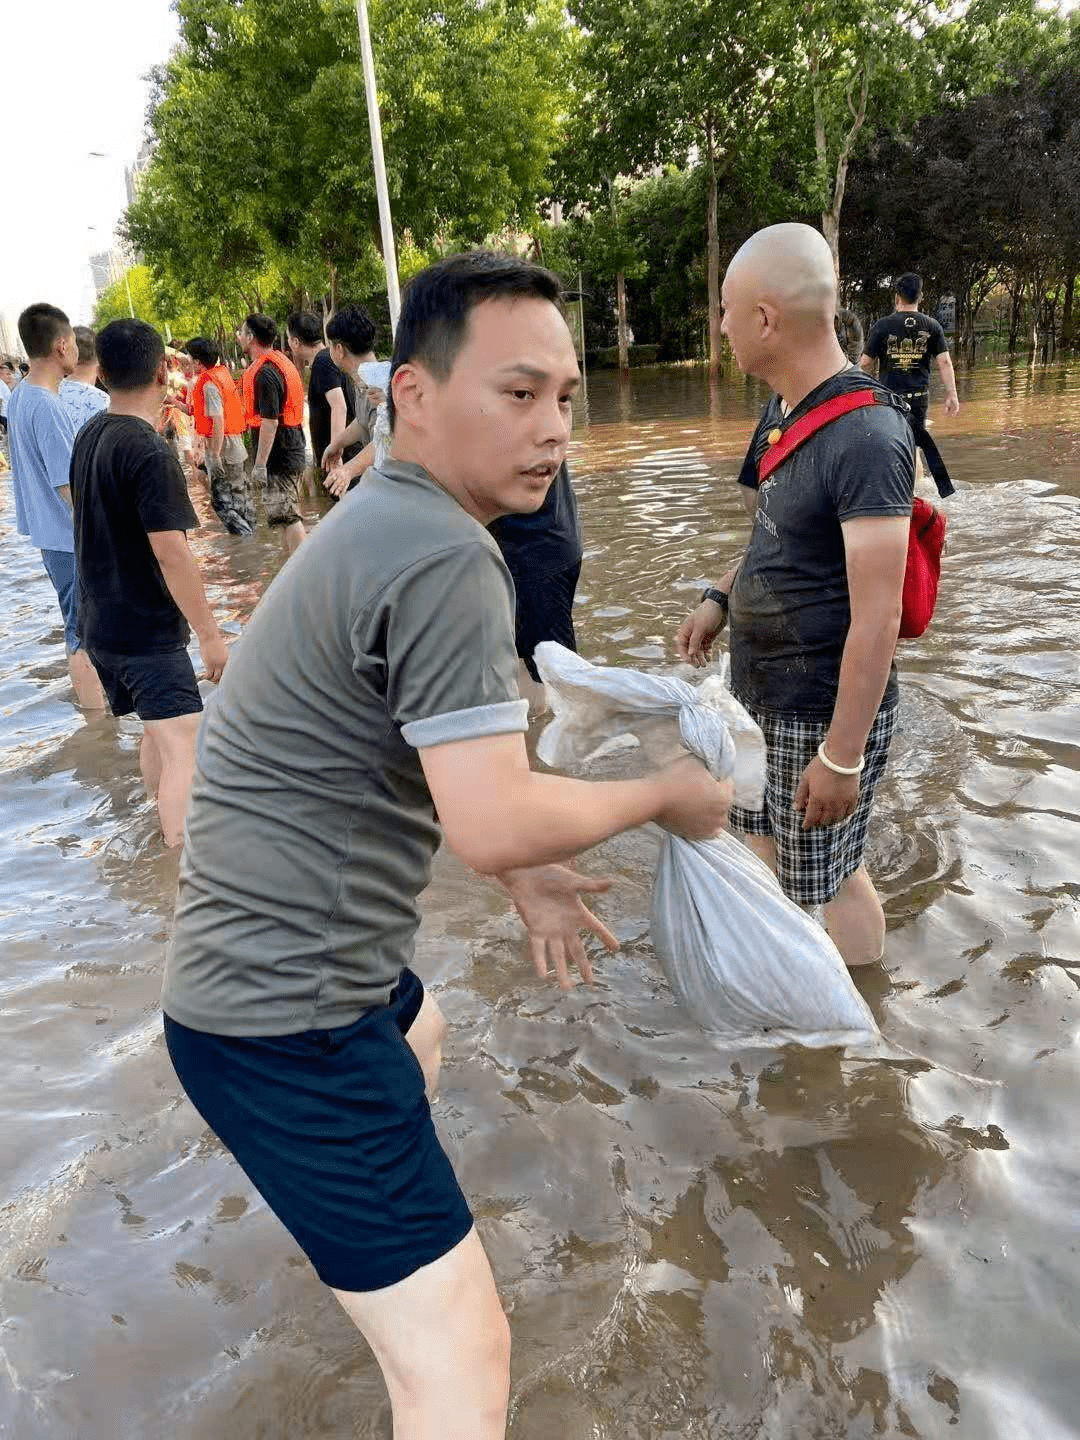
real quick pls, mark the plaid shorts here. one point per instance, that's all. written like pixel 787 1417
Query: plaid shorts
pixel 812 864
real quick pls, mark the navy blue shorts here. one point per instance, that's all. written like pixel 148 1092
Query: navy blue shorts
pixel 545 611
pixel 333 1129
pixel 156 687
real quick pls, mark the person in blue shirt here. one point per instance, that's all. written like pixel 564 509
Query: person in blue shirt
pixel 80 393
pixel 41 434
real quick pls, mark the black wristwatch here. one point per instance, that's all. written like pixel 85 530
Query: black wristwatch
pixel 718 597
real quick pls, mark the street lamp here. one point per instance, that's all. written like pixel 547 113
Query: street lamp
pixel 102 155
pixel 393 293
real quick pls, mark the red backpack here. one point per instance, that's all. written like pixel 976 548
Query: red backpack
pixel 926 539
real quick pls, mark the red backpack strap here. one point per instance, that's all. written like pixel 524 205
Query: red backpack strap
pixel 783 443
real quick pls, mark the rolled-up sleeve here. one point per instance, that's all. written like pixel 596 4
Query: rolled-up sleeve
pixel 451 662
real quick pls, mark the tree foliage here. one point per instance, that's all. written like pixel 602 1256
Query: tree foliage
pixel 262 165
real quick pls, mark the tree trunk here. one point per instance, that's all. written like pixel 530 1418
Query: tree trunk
pixel 620 291
pixel 830 217
pixel 1067 326
pixel 713 250
pixel 1014 321
pixel 620 310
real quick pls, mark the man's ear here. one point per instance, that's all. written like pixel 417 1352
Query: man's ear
pixel 767 320
pixel 411 387
pixel 162 376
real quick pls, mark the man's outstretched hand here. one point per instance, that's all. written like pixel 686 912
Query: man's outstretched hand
pixel 548 899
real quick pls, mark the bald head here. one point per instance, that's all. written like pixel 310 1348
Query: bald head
pixel 791 268
pixel 779 303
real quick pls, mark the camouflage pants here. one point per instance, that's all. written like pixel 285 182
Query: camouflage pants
pixel 283 499
pixel 231 498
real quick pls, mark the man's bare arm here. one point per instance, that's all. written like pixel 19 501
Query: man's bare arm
pixel 499 815
pixel 876 556
pixel 339 415
pixel 867 363
pixel 267 431
pixel 948 376
pixel 184 582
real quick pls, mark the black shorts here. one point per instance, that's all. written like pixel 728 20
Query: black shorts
pixel 545 611
pixel 155 687
pixel 333 1129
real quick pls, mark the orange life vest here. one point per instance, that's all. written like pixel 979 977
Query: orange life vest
pixel 234 406
pixel 293 413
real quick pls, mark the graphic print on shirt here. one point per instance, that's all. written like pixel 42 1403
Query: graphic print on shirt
pixel 909 351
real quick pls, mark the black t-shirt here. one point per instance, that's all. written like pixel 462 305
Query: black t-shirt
pixel 126 483
pixel 790 609
pixel 325 376
pixel 288 454
pixel 905 343
pixel 545 542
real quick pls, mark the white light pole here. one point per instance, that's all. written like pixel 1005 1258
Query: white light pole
pixel 393 293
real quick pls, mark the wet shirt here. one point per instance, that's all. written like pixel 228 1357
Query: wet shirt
pixel 288 454
pixel 311 829
pixel 905 344
pixel 546 542
pixel 126 484
pixel 790 607
pixel 232 446
pixel 40 436
pixel 326 377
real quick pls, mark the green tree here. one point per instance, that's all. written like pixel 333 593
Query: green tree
pixel 671 82
pixel 262 166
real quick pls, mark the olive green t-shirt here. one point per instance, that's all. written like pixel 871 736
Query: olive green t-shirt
pixel 311 829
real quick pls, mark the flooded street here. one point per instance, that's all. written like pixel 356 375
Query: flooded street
pixel 690 1244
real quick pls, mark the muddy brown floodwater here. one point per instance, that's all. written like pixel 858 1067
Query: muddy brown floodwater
pixel 689 1244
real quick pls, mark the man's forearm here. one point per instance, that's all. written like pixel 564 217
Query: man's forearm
pixel 948 375
pixel 181 575
pixel 267 431
pixel 351 435
pixel 552 819
pixel 864 674
pixel 217 437
pixel 360 464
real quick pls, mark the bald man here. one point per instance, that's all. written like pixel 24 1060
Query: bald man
pixel 814 603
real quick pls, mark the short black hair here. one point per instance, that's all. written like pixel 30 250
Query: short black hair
pixel 84 339
pixel 306 326
pixel 40 326
pixel 129 352
pixel 203 350
pixel 909 288
pixel 353 327
pixel 263 328
pixel 435 310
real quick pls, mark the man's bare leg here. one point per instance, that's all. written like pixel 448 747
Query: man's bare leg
pixel 764 847
pixel 425 1037
pixel 292 536
pixel 856 921
pixel 174 741
pixel 150 764
pixel 84 681
pixel 443 1344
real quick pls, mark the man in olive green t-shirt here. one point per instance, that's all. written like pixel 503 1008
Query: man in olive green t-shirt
pixel 376 686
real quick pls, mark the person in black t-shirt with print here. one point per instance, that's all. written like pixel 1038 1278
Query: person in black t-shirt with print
pixel 815 601
pixel 904 346
pixel 331 402
pixel 139 588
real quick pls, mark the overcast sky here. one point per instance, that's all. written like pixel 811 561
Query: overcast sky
pixel 72 80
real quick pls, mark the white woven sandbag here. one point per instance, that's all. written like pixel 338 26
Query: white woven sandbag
pixel 749 965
